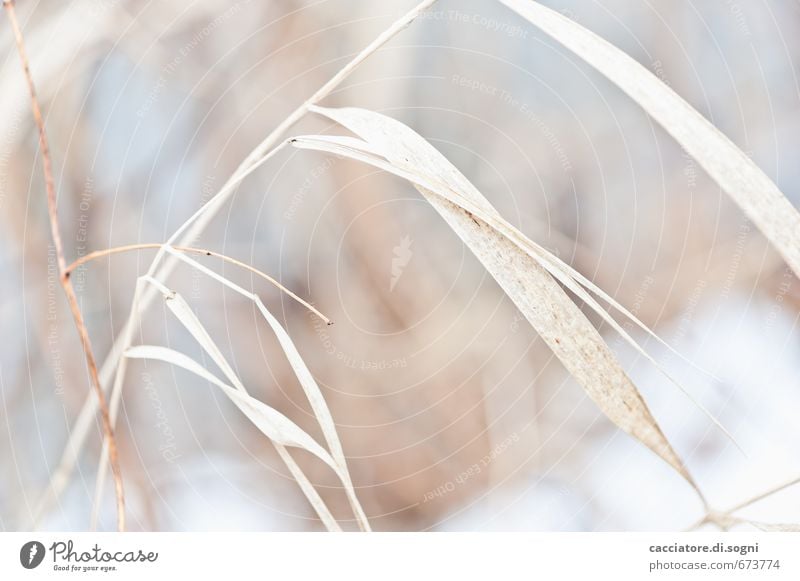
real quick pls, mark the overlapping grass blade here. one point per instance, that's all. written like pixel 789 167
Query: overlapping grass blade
pixel 186 316
pixel 183 312
pixel 307 382
pixel 271 422
pixel 312 391
pixel 277 427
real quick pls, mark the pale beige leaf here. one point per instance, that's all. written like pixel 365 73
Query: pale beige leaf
pixel 728 165
pixel 184 313
pixel 278 428
pixel 270 421
pixel 308 489
pixel 320 409
pixel 176 303
pixel 361 151
pixel 548 308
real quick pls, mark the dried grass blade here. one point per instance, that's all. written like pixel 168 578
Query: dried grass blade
pixel 268 420
pixel 183 312
pixel 361 151
pixel 320 409
pixel 546 306
pixel 728 165
pixel 277 427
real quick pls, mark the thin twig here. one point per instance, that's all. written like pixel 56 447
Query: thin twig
pixel 722 517
pixel 763 495
pixel 66 283
pixel 130 247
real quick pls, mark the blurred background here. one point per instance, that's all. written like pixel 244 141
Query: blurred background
pixel 453 413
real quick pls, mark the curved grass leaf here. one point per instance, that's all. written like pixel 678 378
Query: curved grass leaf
pixel 533 290
pixel 727 165
pixel 277 427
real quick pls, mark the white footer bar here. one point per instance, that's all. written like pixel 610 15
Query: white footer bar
pixel 401 556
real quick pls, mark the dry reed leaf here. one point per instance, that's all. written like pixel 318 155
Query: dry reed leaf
pixel 183 312
pixel 321 412
pixel 532 289
pixel 320 409
pixel 310 388
pixel 176 303
pixel 277 427
pixel 729 166
pixel 270 421
pixel 308 489
pixel 361 151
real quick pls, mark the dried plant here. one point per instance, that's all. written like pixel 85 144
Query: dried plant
pixel 547 291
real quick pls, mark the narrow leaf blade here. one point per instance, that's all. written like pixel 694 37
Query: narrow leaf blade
pixel 536 294
pixel 727 165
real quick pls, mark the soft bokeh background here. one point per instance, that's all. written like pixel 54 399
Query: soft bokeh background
pixel 429 369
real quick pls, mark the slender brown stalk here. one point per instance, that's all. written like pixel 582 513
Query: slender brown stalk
pixel 191 250
pixel 66 283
